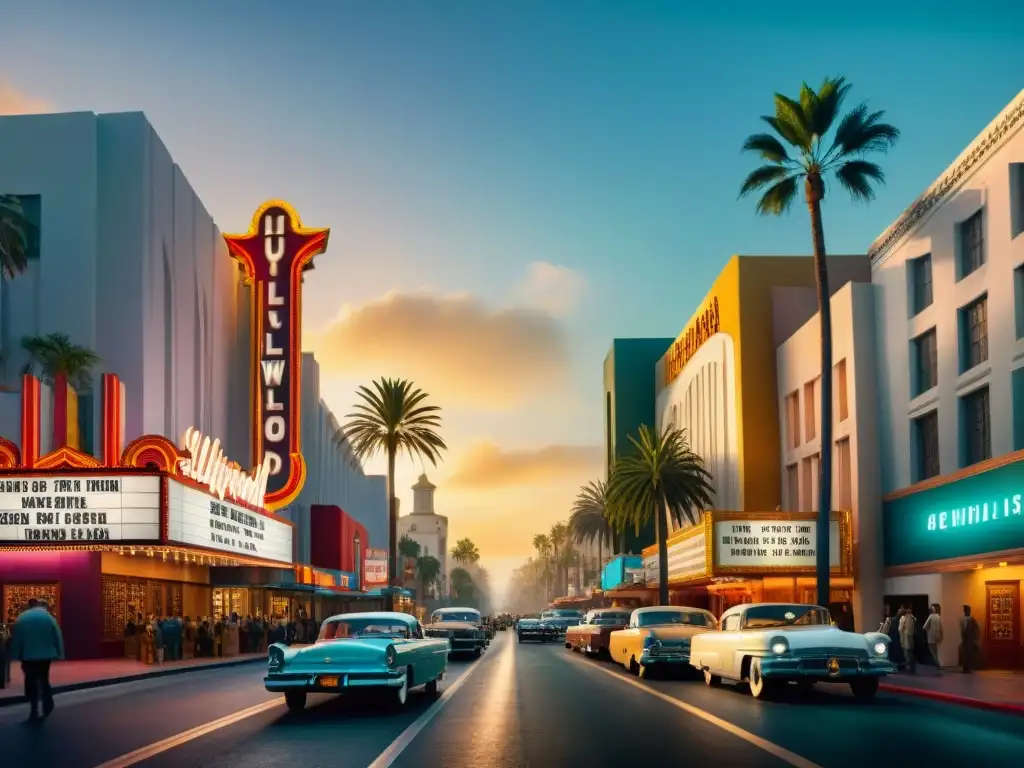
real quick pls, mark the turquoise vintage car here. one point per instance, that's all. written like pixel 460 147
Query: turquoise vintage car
pixel 359 651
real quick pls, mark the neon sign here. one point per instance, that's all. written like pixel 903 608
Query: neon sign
pixel 274 253
pixel 210 467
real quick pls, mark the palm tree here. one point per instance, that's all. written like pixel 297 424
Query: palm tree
pixel 54 354
pixel 409 549
pixel 393 418
pixel 803 124
pixel 462 585
pixel 558 537
pixel 588 523
pixel 428 568
pixel 543 546
pixel 465 552
pixel 661 476
pixel 16 236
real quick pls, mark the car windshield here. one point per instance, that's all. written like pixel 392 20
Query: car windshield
pixel 688 618
pixel 473 618
pixel 768 616
pixel 350 628
pixel 610 618
pixel 528 622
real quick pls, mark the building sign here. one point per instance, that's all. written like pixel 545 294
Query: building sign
pixel 208 466
pixel 68 509
pixel 706 325
pixel 633 576
pixel 781 545
pixel 375 568
pixel 195 518
pixel 687 558
pixel 274 253
pixel 651 569
pixel 975 515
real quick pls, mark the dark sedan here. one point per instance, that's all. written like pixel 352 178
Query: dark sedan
pixel 532 629
pixel 561 618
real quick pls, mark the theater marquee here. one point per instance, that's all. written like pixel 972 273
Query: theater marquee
pixel 274 253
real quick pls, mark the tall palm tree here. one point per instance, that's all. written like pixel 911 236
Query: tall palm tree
pixel 393 418
pixel 662 477
pixel 558 536
pixel 428 569
pixel 54 354
pixel 409 549
pixel 465 552
pixel 803 124
pixel 588 523
pixel 462 585
pixel 16 236
pixel 543 546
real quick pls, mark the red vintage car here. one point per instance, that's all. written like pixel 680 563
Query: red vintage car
pixel 591 636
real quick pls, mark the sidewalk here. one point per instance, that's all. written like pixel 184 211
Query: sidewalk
pixel 73 675
pixel 993 691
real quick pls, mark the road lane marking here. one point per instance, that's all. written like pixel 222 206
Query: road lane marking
pixel 394 750
pixel 152 750
pixel 792 758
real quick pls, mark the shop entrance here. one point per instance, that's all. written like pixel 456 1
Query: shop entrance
pixel 1002 624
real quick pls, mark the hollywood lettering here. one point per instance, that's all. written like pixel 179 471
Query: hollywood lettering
pixel 274 254
pixel 707 324
pixel 208 466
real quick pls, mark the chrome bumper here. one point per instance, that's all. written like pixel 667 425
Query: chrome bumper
pixel 282 682
pixel 797 668
pixel 674 656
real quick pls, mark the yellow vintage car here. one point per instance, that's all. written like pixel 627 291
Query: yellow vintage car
pixel 658 638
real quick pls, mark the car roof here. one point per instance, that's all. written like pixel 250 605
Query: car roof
pixel 743 608
pixel 662 608
pixel 387 615
pixel 457 610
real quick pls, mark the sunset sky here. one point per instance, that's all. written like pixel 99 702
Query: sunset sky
pixel 507 190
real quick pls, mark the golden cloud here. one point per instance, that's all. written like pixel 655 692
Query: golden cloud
pixel 14 102
pixel 552 288
pixel 485 466
pixel 454 347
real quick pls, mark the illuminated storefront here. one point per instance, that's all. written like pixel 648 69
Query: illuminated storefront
pixel 733 558
pixel 958 540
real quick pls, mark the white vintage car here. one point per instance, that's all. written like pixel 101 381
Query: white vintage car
pixel 771 644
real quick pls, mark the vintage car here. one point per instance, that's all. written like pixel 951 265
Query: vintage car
pixel 592 634
pixel 533 629
pixel 359 652
pixel 658 638
pixel 462 627
pixel 561 618
pixel 771 644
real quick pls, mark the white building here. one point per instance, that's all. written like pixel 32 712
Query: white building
pixel 950 280
pixel 427 528
pixel 855 467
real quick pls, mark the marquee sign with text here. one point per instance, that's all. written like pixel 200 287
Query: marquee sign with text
pixel 274 253
pixel 687 558
pixel 775 545
pixel 79 510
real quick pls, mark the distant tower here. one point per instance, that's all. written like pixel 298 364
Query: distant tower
pixel 423 496
pixel 427 528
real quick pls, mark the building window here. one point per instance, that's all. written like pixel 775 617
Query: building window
pixel 977 427
pixel 844 475
pixel 793 420
pixel 974 334
pixel 925 361
pixel 809 484
pixel 972 243
pixel 1016 199
pixel 842 393
pixel 1017 386
pixel 809 410
pixel 926 446
pixel 921 295
pixel 793 487
pixel 1018 299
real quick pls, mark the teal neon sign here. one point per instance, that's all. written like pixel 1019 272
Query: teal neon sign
pixel 977 515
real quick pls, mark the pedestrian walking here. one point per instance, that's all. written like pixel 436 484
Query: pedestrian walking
pixel 933 631
pixel 37 642
pixel 970 641
pixel 908 628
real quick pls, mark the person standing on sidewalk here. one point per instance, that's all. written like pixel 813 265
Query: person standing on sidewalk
pixel 933 630
pixel 908 627
pixel 5 655
pixel 37 642
pixel 970 640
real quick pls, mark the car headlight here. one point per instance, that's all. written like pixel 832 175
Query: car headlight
pixel 881 648
pixel 390 655
pixel 780 646
pixel 275 659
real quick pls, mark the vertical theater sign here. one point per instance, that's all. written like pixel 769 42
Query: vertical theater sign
pixel 274 253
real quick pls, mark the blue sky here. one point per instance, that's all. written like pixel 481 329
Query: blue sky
pixel 449 145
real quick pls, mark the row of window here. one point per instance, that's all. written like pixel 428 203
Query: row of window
pixel 975 418
pixel 802 480
pixel 972 326
pixel 811 398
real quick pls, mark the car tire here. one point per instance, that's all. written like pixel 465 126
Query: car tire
pixel 295 700
pixel 864 688
pixel 710 680
pixel 634 668
pixel 477 651
pixel 647 673
pixel 431 687
pixel 570 646
pixel 520 641
pixel 760 688
pixel 401 695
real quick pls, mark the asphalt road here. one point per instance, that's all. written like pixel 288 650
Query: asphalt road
pixel 520 705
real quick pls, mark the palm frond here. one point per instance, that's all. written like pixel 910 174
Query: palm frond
pixel 861 132
pixel 391 418
pixel 588 523
pixel 762 177
pixel 768 147
pixel 856 177
pixel 54 354
pixel 789 114
pixel 778 198
pixel 827 103
pixel 16 236
pixel 784 130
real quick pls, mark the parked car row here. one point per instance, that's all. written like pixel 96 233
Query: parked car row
pixel 380 652
pixel 761 646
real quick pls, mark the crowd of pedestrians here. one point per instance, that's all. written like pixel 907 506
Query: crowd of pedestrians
pixel 913 642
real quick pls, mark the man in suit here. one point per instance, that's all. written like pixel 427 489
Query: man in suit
pixel 37 642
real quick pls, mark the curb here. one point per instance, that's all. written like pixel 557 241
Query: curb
pixel 952 698
pixel 9 701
